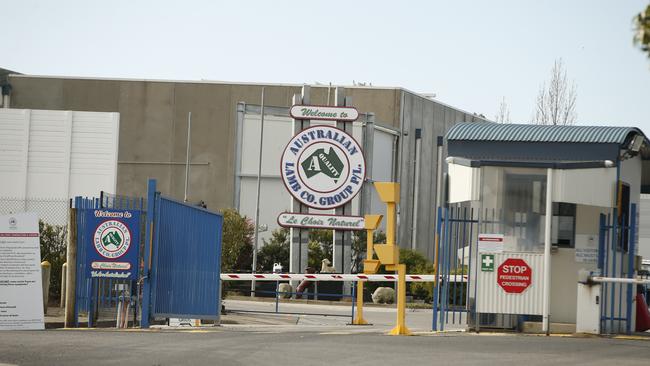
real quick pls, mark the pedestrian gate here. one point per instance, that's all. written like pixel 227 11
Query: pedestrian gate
pixel 183 259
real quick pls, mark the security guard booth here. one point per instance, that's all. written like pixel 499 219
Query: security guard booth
pixel 523 264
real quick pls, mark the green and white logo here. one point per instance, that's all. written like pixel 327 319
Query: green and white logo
pixel 323 167
pixel 487 262
pixel 112 239
pixel 321 162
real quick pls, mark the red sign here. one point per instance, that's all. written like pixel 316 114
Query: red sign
pixel 514 275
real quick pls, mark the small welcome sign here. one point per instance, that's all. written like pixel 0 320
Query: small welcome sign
pixel 324 113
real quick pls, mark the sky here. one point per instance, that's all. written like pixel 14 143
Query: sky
pixel 471 54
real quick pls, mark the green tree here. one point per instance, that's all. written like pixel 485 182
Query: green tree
pixel 53 250
pixel 359 247
pixel 237 242
pixel 642 27
pixel 320 247
pixel 275 250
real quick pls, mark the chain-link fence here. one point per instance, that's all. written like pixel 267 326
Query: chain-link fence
pixel 50 210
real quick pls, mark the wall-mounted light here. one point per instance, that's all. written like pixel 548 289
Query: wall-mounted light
pixel 636 143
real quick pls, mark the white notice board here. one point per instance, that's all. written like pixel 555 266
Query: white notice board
pixel 21 292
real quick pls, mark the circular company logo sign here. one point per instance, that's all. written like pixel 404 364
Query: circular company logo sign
pixel 323 167
pixel 112 239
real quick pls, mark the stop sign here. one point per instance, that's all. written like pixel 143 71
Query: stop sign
pixel 514 275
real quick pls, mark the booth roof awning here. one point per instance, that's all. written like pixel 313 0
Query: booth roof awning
pixel 565 147
pixel 507 132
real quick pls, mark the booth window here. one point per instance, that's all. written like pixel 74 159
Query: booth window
pixel 564 223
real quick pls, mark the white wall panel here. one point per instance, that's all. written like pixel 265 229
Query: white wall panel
pixel 593 187
pixel 57 154
pixel 14 138
pixel 464 183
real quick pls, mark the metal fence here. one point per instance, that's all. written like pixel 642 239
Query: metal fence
pixel 53 211
pixel 616 255
pixel 98 297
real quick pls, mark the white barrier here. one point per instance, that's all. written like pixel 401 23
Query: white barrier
pixel 333 277
pixel 638 281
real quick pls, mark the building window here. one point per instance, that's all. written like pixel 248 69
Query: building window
pixel 564 224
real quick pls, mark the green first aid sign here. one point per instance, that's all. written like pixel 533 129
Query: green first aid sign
pixel 487 262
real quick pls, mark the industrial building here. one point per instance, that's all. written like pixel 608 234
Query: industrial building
pixel 153 126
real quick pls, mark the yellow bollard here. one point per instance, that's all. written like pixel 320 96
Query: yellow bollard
pixel 46 269
pixel 358 319
pixel 400 328
pixel 370 265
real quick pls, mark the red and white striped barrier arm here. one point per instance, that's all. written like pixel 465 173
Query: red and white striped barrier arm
pixel 333 277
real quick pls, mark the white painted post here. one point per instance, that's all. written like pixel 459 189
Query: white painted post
pixel 547 251
pixel 64 274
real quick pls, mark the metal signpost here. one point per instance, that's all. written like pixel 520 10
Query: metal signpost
pixel 342 251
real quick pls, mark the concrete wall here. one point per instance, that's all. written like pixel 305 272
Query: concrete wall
pixel 644 226
pixel 153 133
pixel 153 126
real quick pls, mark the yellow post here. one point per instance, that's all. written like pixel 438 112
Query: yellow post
pixel 400 328
pixel 389 253
pixel 370 265
pixel 358 319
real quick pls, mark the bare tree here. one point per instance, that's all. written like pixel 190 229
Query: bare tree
pixel 503 115
pixel 556 105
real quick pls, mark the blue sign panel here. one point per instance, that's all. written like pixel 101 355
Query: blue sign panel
pixel 113 241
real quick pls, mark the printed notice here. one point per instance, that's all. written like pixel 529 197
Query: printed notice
pixel 492 243
pixel 21 293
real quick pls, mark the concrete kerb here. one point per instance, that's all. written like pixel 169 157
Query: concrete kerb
pixel 339 330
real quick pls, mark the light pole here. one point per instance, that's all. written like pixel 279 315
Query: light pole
pixel 257 199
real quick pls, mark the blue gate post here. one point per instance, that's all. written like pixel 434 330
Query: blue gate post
pixel 631 248
pixel 146 289
pixel 436 281
pixel 77 206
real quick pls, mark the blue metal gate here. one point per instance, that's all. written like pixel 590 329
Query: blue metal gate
pixel 456 230
pixel 616 252
pixel 183 259
pixel 95 296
